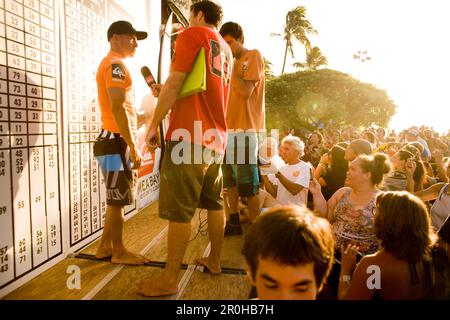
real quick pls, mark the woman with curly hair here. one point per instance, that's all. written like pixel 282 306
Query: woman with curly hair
pixel 400 269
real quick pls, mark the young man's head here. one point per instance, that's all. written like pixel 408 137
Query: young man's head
pixel 205 13
pixel 233 34
pixel 123 38
pixel 289 253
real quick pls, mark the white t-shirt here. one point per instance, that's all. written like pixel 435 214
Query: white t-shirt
pixel 297 173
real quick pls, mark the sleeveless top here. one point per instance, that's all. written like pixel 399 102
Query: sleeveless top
pixel 441 208
pixel 355 225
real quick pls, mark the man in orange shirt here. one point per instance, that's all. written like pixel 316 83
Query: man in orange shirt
pixel 116 145
pixel 245 119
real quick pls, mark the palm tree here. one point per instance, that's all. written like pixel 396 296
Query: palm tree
pixel 298 27
pixel 314 59
pixel 268 69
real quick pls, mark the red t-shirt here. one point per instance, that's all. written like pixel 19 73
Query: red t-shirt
pixel 201 117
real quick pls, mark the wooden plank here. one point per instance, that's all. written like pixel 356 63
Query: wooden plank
pixel 52 284
pixel 122 287
pixel 231 256
pixel 138 231
pixel 204 286
pixel 194 249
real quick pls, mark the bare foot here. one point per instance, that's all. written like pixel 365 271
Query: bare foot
pixel 213 268
pixel 127 257
pixel 155 288
pixel 103 252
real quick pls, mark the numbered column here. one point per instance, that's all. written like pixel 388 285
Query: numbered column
pixel 35 131
pixel 48 45
pixel 85 34
pixel 95 192
pixel 17 92
pixel 85 79
pixel 85 185
pixel 6 212
pixel 96 26
pixel 52 196
pixel 6 236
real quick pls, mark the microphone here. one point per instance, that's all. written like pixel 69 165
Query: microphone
pixel 148 77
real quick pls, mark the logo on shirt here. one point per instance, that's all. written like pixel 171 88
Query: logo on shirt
pixel 220 63
pixel 118 72
pixel 296 173
pixel 245 66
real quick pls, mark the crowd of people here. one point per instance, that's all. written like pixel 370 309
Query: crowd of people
pixel 385 197
pixel 334 214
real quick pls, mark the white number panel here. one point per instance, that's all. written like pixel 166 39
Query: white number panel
pixel 85 28
pixel 30 211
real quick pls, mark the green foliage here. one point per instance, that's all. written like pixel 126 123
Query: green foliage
pixel 268 72
pixel 325 96
pixel 314 60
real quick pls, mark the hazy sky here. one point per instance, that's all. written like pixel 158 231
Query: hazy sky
pixel 407 40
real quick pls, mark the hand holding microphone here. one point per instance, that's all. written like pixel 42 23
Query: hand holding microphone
pixel 150 80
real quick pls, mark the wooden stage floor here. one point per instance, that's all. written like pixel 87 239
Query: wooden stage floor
pixel 145 233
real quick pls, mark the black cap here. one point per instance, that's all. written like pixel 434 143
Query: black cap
pixel 124 27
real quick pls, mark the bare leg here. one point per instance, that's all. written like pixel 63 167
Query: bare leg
pixel 167 282
pixel 233 199
pixel 111 243
pixel 253 207
pixel 104 249
pixel 266 200
pixel 226 206
pixel 216 227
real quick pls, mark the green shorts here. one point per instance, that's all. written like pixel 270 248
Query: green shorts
pixel 243 176
pixel 184 187
pixel 240 168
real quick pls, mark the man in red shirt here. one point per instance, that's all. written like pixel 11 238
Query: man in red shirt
pixel 195 142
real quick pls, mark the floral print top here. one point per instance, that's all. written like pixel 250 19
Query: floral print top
pixel 355 225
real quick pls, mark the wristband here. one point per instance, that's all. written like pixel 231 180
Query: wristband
pixel 346 278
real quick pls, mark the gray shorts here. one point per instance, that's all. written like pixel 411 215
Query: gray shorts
pixel 186 187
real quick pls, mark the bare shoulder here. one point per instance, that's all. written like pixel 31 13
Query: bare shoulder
pixel 340 192
pixel 256 55
pixel 437 187
pixel 432 192
pixel 371 259
pixel 256 52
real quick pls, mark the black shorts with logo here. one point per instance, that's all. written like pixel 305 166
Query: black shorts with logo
pixel 110 151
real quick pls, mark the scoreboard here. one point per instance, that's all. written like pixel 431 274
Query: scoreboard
pixel 30 215
pixel 52 194
pixel 85 28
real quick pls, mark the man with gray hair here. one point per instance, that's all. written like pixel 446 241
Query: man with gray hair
pixel 290 184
